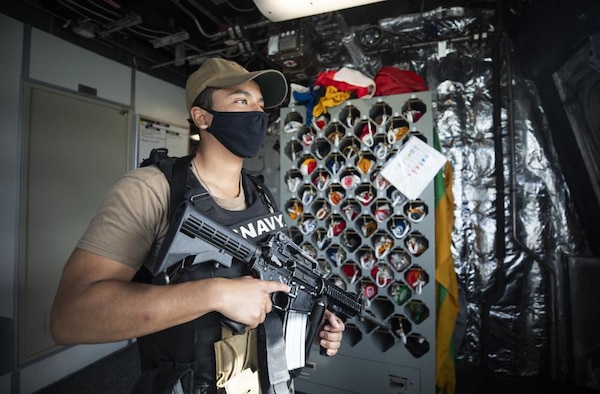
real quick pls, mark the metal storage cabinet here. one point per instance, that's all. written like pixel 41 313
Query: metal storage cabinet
pixel 367 238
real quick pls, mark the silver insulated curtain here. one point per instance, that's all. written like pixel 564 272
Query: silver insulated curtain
pixel 513 218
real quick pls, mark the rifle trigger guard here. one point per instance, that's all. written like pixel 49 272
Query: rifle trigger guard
pixel 293 291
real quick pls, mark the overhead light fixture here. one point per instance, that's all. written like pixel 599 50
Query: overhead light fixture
pixel 171 39
pixel 85 29
pixel 282 10
pixel 128 21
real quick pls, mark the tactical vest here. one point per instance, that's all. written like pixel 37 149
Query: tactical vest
pixel 190 345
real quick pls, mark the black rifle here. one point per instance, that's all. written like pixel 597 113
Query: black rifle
pixel 193 234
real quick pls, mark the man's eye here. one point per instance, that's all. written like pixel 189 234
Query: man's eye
pixel 241 101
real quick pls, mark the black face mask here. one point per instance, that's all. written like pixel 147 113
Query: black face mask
pixel 241 132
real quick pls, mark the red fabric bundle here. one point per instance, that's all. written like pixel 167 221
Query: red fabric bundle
pixel 391 80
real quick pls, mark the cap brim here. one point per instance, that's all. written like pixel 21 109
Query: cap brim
pixel 272 83
pixel 273 86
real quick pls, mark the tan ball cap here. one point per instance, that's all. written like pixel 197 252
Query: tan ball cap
pixel 222 73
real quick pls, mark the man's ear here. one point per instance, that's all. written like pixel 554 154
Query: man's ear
pixel 199 117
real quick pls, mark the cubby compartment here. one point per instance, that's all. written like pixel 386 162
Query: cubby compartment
pixel 337 280
pixel 416 243
pixel 417 278
pixel 396 197
pixel 293 180
pixel 321 121
pixel 401 327
pixel 380 113
pixel 398 129
pixel 292 122
pixel 350 209
pixel 350 178
pixel 352 335
pixel 307 136
pixel 321 148
pixel 400 292
pixel 365 194
pixel 307 194
pixel 399 259
pixel 365 130
pixel 325 267
pixel 336 255
pixel 336 195
pixel 351 272
pixel 310 250
pixel 349 114
pixel 382 308
pixel 381 211
pixel 416 211
pixel 335 226
pixel 367 289
pixel 367 225
pixel 383 340
pixel 307 224
pixel 350 240
pixel 307 165
pixel 350 148
pixel 382 244
pixel 382 275
pixel 414 109
pixel 365 163
pixel 378 181
pixel 416 311
pixel 321 179
pixel 293 149
pixel 321 209
pixel 335 163
pixel 320 239
pixel 295 235
pixel 335 133
pixel 399 226
pixel 294 208
pixel 382 149
pixel 417 345
pixel 366 257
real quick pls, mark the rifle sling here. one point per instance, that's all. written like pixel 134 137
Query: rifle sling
pixel 278 373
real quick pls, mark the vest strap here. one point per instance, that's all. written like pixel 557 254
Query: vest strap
pixel 277 370
pixel 177 182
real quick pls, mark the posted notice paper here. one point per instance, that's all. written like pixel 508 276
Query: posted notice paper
pixel 413 167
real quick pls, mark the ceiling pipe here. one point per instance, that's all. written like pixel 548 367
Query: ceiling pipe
pixel 200 29
pixel 234 32
pixel 206 12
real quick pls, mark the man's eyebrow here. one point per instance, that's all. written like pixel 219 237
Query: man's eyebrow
pixel 245 93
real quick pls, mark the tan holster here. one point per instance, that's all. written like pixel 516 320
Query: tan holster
pixel 237 363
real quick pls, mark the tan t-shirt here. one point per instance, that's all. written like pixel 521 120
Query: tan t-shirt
pixel 132 219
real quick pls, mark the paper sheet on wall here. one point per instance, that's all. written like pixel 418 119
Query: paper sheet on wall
pixel 154 134
pixel 413 167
